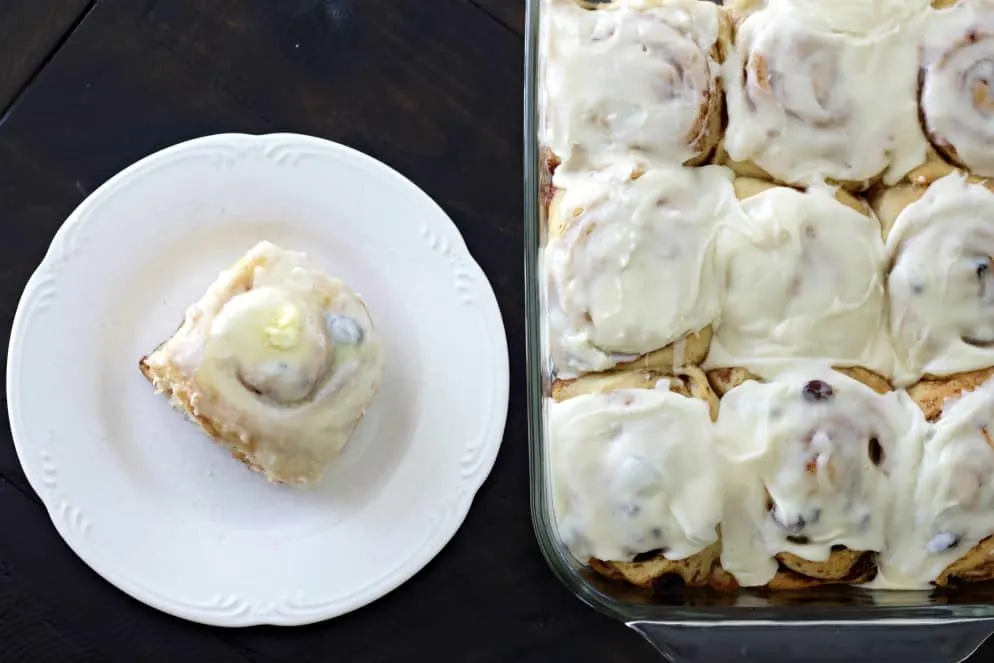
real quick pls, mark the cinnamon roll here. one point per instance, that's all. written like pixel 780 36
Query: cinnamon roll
pixel 943 533
pixel 277 363
pixel 824 91
pixel 808 458
pixel 956 84
pixel 632 84
pixel 635 483
pixel 803 278
pixel 940 245
pixel 630 269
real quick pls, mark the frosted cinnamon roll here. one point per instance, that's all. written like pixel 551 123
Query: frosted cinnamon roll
pixel 277 362
pixel 635 483
pixel 956 84
pixel 940 246
pixel 803 278
pixel 630 269
pixel 808 458
pixel 943 533
pixel 632 84
pixel 822 91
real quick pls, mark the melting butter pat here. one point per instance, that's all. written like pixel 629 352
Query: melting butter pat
pixel 283 332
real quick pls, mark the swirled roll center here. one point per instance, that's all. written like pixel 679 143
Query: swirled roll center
pixel 277 347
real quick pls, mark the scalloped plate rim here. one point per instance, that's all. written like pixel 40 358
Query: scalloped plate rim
pixel 453 519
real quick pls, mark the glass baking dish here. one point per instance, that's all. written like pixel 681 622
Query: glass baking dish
pixel 824 624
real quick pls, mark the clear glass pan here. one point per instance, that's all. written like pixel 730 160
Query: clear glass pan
pixel 828 624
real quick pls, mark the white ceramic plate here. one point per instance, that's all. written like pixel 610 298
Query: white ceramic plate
pixel 153 505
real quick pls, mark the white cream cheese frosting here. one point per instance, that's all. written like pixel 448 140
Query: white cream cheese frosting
pixel 826 90
pixel 947 504
pixel 857 17
pixel 633 470
pixel 804 277
pixel 941 283
pixel 807 460
pixel 629 86
pixel 957 90
pixel 634 269
pixel 280 358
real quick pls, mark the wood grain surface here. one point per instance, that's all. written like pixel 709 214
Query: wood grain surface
pixel 431 87
pixel 30 31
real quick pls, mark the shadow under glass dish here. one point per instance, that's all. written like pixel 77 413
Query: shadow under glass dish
pixel 831 623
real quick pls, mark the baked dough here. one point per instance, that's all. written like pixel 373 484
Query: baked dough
pixel 277 363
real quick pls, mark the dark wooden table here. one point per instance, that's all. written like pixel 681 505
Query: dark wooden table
pixel 431 87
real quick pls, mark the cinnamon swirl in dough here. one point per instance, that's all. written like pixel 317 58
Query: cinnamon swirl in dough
pixel 942 532
pixel 630 269
pixel 808 458
pixel 824 90
pixel 635 485
pixel 956 91
pixel 634 84
pixel 940 243
pixel 804 278
pixel 277 363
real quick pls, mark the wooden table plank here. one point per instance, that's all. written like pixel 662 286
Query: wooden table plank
pixel 431 88
pixel 510 13
pixel 30 30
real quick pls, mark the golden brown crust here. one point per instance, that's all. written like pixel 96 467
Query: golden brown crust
pixel 747 187
pixel 844 567
pixel 751 170
pixel 889 202
pixel 872 380
pixel 650 569
pixel 934 167
pixel 688 381
pixel 838 566
pixel 560 219
pixel 602 383
pixel 691 350
pixel 180 400
pixel 723 380
pixel 547 164
pixel 932 392
pixel 975 566
pixel 713 113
